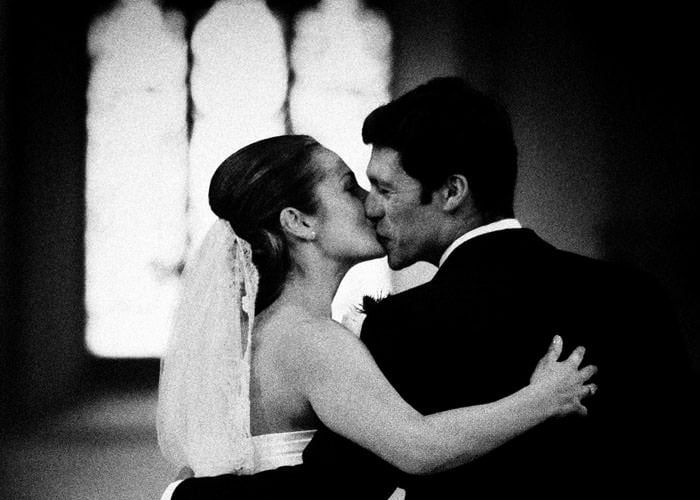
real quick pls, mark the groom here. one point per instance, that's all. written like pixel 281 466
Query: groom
pixel 443 172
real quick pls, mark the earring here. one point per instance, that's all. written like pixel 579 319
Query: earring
pixel 313 235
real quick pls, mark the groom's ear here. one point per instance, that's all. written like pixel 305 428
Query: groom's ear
pixel 454 192
pixel 298 224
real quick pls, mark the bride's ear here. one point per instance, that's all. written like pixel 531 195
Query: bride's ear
pixel 454 192
pixel 297 224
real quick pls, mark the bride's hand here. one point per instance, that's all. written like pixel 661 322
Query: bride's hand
pixel 562 385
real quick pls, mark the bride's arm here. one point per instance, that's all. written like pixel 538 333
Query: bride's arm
pixel 351 396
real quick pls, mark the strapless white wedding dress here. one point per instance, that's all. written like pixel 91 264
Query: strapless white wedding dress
pixel 269 452
pixel 286 448
pixel 276 450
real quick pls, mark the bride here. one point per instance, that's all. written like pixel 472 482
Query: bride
pixel 255 362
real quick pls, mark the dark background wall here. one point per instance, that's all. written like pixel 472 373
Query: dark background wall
pixel 45 132
pixel 603 100
pixel 4 213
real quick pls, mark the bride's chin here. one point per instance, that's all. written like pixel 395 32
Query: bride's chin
pixel 375 254
pixel 379 253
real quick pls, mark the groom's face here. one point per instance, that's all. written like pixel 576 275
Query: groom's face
pixel 405 227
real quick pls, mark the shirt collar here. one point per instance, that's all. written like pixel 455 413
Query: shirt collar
pixel 487 228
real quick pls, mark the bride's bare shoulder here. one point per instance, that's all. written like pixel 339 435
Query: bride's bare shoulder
pixel 314 330
pixel 317 352
pixel 309 338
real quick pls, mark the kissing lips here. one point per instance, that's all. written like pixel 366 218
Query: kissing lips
pixel 383 240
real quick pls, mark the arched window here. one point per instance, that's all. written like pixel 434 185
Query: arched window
pixel 151 154
pixel 136 179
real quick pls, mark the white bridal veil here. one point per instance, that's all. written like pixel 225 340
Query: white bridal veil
pixel 203 416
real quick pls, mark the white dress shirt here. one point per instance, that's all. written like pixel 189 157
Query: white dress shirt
pixel 488 228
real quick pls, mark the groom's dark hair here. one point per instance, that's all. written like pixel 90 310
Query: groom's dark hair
pixel 447 127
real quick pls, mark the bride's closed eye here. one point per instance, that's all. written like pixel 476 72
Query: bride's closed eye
pixel 384 190
pixel 354 188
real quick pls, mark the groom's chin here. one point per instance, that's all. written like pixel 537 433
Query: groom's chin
pixel 396 263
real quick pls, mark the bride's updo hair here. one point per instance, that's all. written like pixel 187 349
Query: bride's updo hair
pixel 250 189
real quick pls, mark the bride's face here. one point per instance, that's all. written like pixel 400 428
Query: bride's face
pixel 343 231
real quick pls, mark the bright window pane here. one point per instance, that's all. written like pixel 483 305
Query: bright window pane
pixel 239 84
pixel 136 178
pixel 147 184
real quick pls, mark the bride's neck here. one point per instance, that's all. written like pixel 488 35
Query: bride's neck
pixel 313 287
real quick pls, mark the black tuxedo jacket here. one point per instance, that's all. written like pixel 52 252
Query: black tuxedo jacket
pixel 473 335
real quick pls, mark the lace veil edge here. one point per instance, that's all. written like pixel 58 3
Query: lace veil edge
pixel 203 416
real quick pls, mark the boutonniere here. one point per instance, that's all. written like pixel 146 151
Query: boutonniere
pixel 356 315
pixel 370 303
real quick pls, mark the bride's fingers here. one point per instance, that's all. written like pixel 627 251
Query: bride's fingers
pixel 588 390
pixel 577 355
pixel 551 356
pixel 580 409
pixel 587 372
pixel 554 350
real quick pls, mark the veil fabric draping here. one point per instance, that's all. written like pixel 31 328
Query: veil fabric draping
pixel 203 418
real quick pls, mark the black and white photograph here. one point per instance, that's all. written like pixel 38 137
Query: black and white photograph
pixel 348 249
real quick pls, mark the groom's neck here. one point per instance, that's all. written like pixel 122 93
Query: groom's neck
pixel 452 229
pixel 458 226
